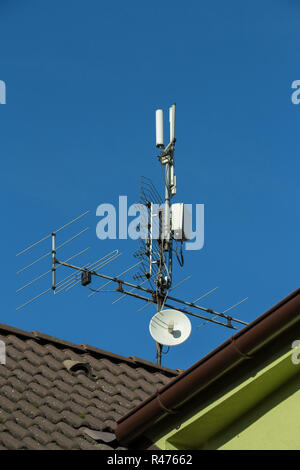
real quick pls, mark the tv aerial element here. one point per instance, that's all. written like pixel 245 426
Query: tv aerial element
pixel 74 279
pixel 224 311
pixel 170 327
pixel 149 247
pixel 69 281
pixel 165 226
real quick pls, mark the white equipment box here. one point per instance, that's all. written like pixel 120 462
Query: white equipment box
pixel 181 222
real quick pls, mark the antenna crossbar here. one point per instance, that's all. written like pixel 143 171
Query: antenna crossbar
pixel 208 310
pixel 154 301
pixel 155 298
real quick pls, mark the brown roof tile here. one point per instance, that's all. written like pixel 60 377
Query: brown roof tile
pixel 45 406
pixel 4 415
pixel 40 436
pixel 14 382
pixel 6 404
pixel 17 431
pixel 10 442
pixel 44 424
pixel 43 381
pixel 47 372
pixel 67 430
pixel 22 419
pixel 62 440
pixel 55 352
pixel 32 444
pixel 21 375
pixel 32 357
pixel 11 393
pixel 28 408
pixel 59 395
pixel 38 389
pixel 84 444
pixel 52 446
pixel 32 397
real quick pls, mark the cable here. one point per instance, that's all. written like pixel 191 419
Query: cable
pixel 181 259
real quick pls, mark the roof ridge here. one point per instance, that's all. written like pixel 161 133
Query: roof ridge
pixel 132 360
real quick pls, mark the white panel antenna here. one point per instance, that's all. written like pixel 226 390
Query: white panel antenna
pixel 159 128
pixel 172 123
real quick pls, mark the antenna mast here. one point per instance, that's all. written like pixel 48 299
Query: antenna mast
pixel 164 227
pixel 166 158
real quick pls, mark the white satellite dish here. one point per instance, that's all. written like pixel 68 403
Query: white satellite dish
pixel 170 327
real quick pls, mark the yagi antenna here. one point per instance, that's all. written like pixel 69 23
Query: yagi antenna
pixel 49 255
pixel 164 231
pixel 49 235
pixel 50 270
pixel 100 289
pixel 50 252
pixel 71 281
pixel 224 311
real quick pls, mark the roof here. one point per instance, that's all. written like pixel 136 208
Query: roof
pixel 58 395
pixel 246 344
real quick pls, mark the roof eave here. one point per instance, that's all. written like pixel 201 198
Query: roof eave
pixel 240 347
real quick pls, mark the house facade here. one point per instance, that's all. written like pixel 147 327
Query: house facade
pixel 243 395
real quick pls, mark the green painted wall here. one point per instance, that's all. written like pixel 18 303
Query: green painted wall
pixel 259 411
pixel 274 424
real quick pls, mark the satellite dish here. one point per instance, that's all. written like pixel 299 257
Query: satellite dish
pixel 170 327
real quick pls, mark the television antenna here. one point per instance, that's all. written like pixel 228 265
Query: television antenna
pixel 164 225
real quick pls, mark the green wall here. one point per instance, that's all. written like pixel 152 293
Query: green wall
pixel 258 411
pixel 273 424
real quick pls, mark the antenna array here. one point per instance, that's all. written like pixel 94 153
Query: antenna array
pixel 149 251
pixel 154 264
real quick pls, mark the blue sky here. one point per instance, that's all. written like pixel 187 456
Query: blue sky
pixel 83 82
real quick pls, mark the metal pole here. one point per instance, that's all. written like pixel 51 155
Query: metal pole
pixel 158 353
pixel 158 345
pixel 160 280
pixel 53 235
pixel 167 232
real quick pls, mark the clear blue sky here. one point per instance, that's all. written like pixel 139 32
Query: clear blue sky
pixel 83 81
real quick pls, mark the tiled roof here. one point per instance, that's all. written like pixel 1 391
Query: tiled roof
pixel 58 395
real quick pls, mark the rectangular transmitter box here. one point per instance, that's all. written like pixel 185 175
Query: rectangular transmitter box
pixel 181 222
